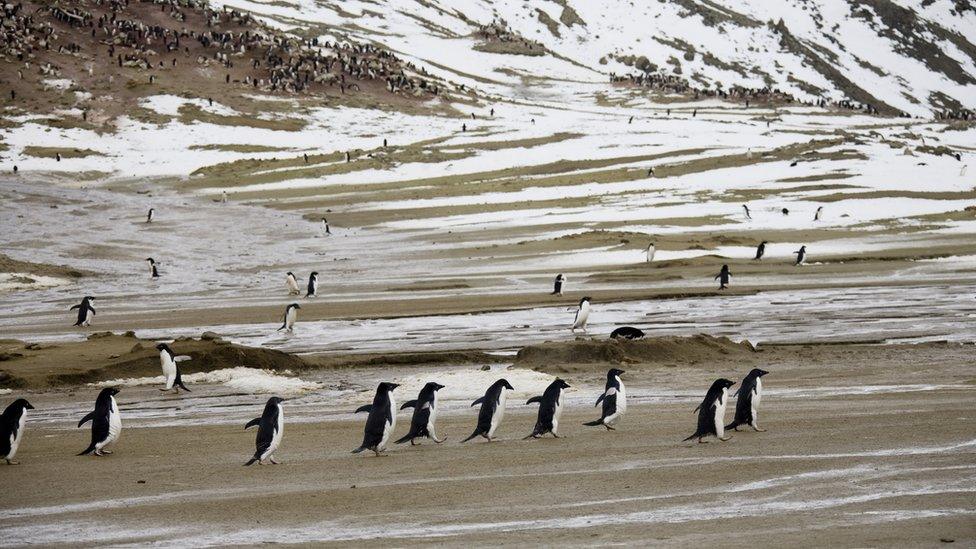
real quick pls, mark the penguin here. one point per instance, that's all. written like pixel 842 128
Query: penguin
pixel 550 409
pixel 557 287
pixel 627 332
pixel 582 315
pixel 348 157
pixel 424 415
pixel 794 163
pixel 313 284
pixel 801 255
pixel 785 211
pixel 57 157
pixel 85 311
pixel 153 272
pixel 631 120
pixel 288 321
pixel 106 422
pixel 271 427
pixel 492 409
pixel 150 215
pixel 12 429
pixel 816 216
pixel 381 421
pixel 223 197
pixel 325 225
pixel 650 171
pixel 724 276
pixel 747 405
pixel 614 400
pixel 711 412
pixel 651 250
pixel 292 283
pixel 761 250
pixel 746 208
pixel 169 362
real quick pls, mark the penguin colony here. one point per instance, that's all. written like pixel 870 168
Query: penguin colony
pixel 106 422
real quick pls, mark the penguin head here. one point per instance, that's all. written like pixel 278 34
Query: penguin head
pixel 274 401
pixel 21 404
pixel 764 242
pixel 614 372
pixel 150 260
pixel 162 347
pixel 433 386
pixel 724 383
pixel 560 383
pixel 314 274
pixel 108 392
pixel 387 386
pixel 88 298
pixel 504 383
pixel 586 299
pixel 757 372
pixel 291 274
pixel 803 248
pixel 295 306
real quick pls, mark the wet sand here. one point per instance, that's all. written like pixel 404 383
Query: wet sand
pixel 882 454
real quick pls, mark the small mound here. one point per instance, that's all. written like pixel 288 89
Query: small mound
pixel 572 356
pixel 242 379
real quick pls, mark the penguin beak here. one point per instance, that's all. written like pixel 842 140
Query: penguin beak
pixel 29 407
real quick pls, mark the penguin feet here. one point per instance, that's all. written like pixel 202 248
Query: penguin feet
pixel 609 428
pixel 702 441
pixel 273 460
pixel 725 439
pixel 554 435
pixel 12 462
pixel 438 441
pixel 758 430
pixel 413 442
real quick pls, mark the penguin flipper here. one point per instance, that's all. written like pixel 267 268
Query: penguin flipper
pixel 182 358
pixel 364 408
pixel 474 434
pixel 88 417
pixel 409 404
pixel 405 438
pixel 480 400
pixel 179 383
pixel 73 307
pixel 600 399
pixel 250 461
pixel 254 422
pixel 91 447
pixel 360 449
pixel 594 423
pixel 691 437
pixel 537 399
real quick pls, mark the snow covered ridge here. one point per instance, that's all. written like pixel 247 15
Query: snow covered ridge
pixel 241 378
pixel 913 56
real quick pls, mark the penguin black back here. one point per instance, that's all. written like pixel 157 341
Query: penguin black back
pixel 550 404
pixel 268 425
pixel 100 418
pixel 381 414
pixel 423 407
pixel 707 410
pixel 489 407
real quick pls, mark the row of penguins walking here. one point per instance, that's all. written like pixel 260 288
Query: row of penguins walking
pixel 381 421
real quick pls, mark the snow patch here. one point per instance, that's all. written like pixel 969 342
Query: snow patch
pixel 240 378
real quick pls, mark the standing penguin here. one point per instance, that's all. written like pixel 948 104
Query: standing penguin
pixel 325 225
pixel 582 314
pixel 150 215
pixel 747 405
pixel 711 412
pixel 381 421
pixel 271 427
pixel 106 422
pixel 614 400
pixel 85 311
pixel 291 314
pixel 12 429
pixel 801 255
pixel 746 208
pixel 170 364
pixel 492 409
pixel 424 415
pixel 651 250
pixel 313 285
pixel 292 284
pixel 724 276
pixel 816 216
pixel 550 409
pixel 153 272
pixel 557 286
pixel 761 250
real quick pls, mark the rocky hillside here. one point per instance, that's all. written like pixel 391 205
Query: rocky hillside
pixel 897 56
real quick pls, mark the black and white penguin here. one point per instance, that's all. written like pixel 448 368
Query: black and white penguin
pixel 761 250
pixel 550 409
pixel 106 422
pixel 724 276
pixel 313 285
pixel 153 272
pixel 169 361
pixel 582 315
pixel 325 226
pixel 271 427
pixel 291 314
pixel 291 282
pixel 785 211
pixel 630 120
pixel 746 208
pixel 381 421
pixel 627 332
pixel 651 250
pixel 492 410
pixel 794 163
pixel 86 313
pixel 150 215
pixel 614 399
pixel 424 415
pixel 749 397
pixel 816 216
pixel 12 429
pixel 557 286
pixel 711 412
pixel 650 171
pixel 801 255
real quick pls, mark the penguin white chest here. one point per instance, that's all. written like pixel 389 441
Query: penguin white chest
pixel 279 433
pixel 390 425
pixel 15 438
pixel 558 412
pixel 650 253
pixel 290 318
pixel 496 418
pixel 720 403
pixel 88 317
pixel 169 368
pixel 582 315
pixel 757 397
pixel 114 424
pixel 432 414
pixel 621 398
